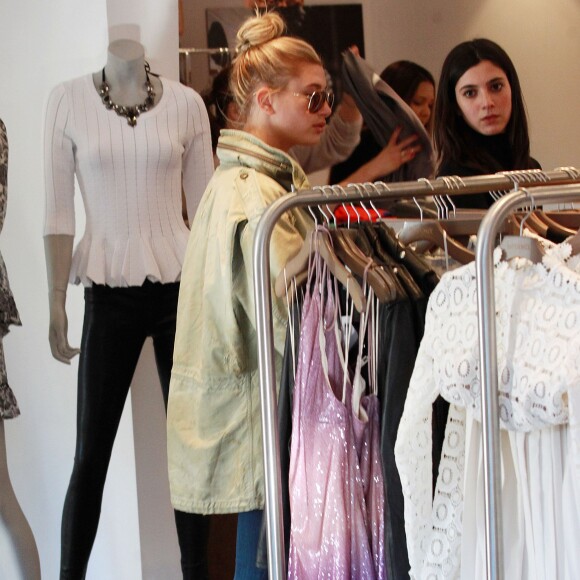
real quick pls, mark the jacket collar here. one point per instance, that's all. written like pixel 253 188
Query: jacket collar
pixel 241 148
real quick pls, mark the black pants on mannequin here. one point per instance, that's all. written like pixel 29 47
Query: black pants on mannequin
pixel 117 321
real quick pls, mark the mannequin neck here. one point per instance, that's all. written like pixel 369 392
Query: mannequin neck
pixel 125 73
pixel 125 63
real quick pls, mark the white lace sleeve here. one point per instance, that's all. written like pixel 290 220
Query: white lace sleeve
pixel 443 546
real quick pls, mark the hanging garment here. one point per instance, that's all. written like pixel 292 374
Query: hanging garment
pixel 8 312
pixel 285 397
pixel 399 328
pixel 538 348
pixel 328 536
pixel 383 111
pixel 365 416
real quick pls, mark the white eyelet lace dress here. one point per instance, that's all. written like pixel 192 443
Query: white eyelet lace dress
pixel 538 348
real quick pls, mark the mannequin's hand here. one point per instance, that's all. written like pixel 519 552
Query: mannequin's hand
pixel 58 330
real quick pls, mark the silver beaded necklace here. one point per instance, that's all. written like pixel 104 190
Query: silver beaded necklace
pixel 130 113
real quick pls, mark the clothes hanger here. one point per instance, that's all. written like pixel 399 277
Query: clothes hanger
pixel 532 219
pixel 352 256
pixel 574 242
pixel 568 218
pixel 533 222
pixel 523 246
pixel 404 282
pixel 434 232
pixel 364 241
pixel 554 226
pixel 297 267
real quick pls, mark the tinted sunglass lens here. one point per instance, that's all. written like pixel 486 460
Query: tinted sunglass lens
pixel 316 101
pixel 330 98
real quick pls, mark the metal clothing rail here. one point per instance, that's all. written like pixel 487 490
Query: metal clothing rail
pixel 263 303
pixel 210 51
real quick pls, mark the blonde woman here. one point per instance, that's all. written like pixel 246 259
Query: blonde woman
pixel 214 433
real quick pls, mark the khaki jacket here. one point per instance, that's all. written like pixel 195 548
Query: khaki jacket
pixel 214 425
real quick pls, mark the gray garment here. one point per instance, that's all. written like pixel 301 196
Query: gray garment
pixel 383 111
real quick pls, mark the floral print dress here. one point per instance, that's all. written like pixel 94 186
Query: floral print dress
pixel 8 312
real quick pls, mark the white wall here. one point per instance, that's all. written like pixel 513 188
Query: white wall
pixel 541 37
pixel 43 43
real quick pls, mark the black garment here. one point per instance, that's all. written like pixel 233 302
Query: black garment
pixel 401 327
pixel 497 150
pixel 285 400
pixel 116 323
pixel 398 350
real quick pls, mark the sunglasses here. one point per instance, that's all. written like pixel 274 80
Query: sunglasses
pixel 317 99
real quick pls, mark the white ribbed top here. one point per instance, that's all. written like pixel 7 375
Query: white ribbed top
pixel 130 179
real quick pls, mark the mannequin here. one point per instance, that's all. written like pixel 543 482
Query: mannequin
pixel 133 140
pixel 18 553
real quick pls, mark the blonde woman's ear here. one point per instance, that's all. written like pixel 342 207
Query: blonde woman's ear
pixel 264 100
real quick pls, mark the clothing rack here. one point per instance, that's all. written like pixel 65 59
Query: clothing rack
pixel 186 72
pixel 443 186
pixel 209 51
pixel 488 353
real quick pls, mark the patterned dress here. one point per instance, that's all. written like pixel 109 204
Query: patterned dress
pixel 8 312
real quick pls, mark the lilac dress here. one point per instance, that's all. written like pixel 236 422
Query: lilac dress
pixel 329 536
pixel 366 425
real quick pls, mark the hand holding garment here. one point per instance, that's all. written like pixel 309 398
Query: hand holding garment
pixel 383 111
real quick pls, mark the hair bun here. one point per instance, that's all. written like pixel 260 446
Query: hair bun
pixel 260 29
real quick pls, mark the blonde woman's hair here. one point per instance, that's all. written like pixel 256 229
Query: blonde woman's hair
pixel 266 56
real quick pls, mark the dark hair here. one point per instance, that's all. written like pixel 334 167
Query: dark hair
pixel 217 99
pixel 452 136
pixel 404 77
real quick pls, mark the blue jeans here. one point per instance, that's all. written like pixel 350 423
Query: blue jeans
pixel 248 534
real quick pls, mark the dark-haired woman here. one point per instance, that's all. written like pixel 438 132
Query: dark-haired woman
pixel 480 123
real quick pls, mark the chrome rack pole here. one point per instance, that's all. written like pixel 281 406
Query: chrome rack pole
pixel 218 50
pixel 486 236
pixel 263 304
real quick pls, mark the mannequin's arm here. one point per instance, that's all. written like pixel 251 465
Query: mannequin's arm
pixel 58 251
